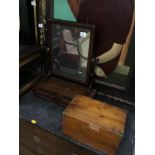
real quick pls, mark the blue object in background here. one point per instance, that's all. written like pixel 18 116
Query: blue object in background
pixel 63 11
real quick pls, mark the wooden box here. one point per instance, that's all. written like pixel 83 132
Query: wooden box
pixel 94 123
pixel 61 91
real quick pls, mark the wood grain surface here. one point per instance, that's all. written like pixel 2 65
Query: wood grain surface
pixel 35 141
pixel 59 90
pixel 95 123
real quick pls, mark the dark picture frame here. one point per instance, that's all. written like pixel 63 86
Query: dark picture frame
pixel 121 93
pixel 90 62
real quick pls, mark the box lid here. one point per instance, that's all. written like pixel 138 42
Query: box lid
pixel 97 114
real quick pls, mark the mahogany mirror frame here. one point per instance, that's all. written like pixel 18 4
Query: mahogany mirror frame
pixel 90 62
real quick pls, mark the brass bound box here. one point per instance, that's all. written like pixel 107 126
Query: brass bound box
pixel 94 123
pixel 60 91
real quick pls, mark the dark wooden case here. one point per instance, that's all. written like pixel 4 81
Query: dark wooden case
pixel 61 91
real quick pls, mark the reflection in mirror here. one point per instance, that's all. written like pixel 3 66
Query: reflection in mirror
pixel 70 52
pixel 120 76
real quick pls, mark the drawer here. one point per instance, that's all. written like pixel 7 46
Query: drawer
pixel 35 141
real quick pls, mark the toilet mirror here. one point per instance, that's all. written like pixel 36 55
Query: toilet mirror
pixel 71 46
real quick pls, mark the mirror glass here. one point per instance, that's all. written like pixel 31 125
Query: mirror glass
pixel 119 78
pixel 70 51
